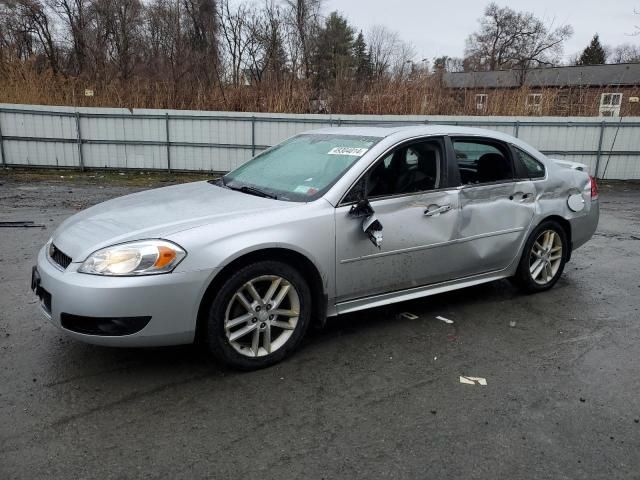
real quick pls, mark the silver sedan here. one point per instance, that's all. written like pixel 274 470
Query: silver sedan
pixel 328 222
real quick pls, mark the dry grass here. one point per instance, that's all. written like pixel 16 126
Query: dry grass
pixel 21 83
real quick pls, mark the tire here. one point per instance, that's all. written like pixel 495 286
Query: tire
pixel 532 278
pixel 248 302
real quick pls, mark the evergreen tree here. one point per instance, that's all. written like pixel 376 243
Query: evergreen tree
pixel 362 59
pixel 594 54
pixel 334 50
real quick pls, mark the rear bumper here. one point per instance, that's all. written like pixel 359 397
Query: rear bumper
pixel 583 227
pixel 171 301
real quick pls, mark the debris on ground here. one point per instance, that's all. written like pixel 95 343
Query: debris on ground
pixel 473 380
pixel 408 316
pixel 21 224
pixel 445 320
pixel 512 324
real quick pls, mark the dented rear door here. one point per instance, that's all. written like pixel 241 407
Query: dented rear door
pixel 494 220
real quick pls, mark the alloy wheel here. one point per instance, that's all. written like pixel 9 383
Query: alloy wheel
pixel 262 315
pixel 545 258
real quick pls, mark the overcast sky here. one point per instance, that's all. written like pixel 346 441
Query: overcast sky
pixel 440 28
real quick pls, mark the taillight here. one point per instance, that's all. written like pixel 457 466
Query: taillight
pixel 594 188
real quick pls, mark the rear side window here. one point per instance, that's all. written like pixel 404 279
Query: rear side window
pixel 482 162
pixel 533 167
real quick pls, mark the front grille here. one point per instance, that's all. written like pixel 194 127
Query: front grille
pixel 59 257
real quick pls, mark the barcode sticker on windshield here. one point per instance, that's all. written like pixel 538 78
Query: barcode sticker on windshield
pixel 355 151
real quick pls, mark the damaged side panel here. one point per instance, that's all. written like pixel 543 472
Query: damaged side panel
pixel 494 222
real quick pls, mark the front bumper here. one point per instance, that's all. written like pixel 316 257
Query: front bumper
pixel 171 300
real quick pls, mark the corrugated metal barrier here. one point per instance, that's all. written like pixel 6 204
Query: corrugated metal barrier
pixel 220 141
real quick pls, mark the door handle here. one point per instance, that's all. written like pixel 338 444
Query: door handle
pixel 437 211
pixel 523 196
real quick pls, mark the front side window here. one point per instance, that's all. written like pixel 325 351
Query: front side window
pixel 409 169
pixel 301 169
pixel 482 162
pixel 534 168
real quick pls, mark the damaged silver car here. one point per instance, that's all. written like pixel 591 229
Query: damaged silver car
pixel 328 222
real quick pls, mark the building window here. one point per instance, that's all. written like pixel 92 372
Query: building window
pixel 610 104
pixel 562 100
pixel 481 101
pixel 534 101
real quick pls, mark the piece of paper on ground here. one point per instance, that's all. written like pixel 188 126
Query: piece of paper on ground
pixel 473 380
pixel 445 320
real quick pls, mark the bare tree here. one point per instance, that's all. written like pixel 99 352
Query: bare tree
pixel 120 23
pixel 383 47
pixel 236 25
pixel 303 17
pixel 202 28
pixel 75 18
pixel 510 39
pixel 167 52
pixel 448 64
pixel 625 53
pixel 34 22
pixel 266 53
pixel 403 57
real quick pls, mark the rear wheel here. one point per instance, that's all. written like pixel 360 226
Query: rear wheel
pixel 259 316
pixel 543 259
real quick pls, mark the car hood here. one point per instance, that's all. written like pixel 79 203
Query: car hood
pixel 155 214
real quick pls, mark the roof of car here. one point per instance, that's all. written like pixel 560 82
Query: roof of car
pixel 409 131
pixel 405 132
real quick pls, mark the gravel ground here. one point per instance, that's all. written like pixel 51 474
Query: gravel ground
pixel 370 396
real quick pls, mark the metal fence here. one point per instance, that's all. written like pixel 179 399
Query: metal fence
pixel 220 141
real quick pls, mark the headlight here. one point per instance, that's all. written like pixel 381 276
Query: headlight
pixel 146 257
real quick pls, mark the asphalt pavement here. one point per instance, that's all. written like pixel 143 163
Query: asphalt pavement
pixel 374 395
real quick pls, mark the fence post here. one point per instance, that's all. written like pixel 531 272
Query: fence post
pixel 599 152
pixel 79 141
pixel 253 136
pixel 516 129
pixel 4 159
pixel 166 131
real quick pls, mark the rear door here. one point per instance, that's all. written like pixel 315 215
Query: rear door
pixel 497 203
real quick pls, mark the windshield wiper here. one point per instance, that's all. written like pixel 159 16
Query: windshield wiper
pixel 253 191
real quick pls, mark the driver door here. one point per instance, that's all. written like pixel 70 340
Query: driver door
pixel 408 192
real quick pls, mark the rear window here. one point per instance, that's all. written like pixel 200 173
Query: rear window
pixel 534 168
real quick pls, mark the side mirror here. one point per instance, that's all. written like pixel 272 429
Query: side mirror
pixel 361 209
pixel 371 226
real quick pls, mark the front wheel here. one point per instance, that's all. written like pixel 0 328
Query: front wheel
pixel 543 258
pixel 259 316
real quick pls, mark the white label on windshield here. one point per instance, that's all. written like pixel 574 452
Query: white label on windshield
pixel 355 151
